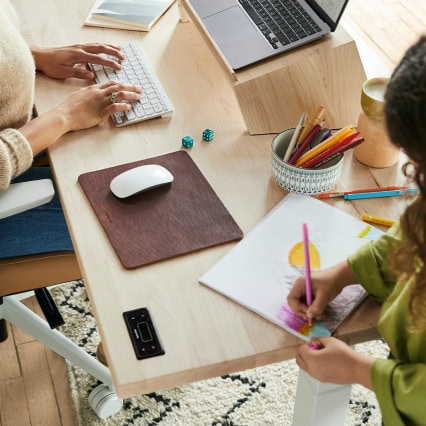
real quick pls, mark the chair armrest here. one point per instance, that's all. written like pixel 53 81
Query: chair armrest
pixel 22 196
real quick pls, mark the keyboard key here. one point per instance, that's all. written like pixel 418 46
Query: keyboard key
pixel 253 14
pixel 101 76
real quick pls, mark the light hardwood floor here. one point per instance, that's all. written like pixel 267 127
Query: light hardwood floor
pixel 34 387
pixel 386 27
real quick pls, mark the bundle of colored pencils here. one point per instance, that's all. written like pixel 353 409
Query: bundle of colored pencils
pixel 329 146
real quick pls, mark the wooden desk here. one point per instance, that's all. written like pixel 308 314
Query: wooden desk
pixel 204 334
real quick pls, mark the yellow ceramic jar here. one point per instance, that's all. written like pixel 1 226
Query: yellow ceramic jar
pixel 377 150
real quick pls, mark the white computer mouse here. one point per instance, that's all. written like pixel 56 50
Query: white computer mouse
pixel 140 179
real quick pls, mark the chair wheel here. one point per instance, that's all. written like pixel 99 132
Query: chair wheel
pixel 104 401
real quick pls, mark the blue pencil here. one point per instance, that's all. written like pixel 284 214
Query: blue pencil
pixel 379 194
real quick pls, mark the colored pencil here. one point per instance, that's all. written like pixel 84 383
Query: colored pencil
pixel 302 147
pixel 364 232
pixel 308 282
pixel 337 150
pixel 379 194
pixel 378 220
pixel 327 195
pixel 312 121
pixel 293 140
pixel 315 345
pixel 328 143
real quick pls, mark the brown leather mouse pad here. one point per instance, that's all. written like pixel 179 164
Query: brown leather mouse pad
pixel 163 222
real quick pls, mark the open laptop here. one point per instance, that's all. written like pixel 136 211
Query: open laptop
pixel 247 31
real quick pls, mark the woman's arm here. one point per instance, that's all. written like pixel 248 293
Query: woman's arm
pixel 84 108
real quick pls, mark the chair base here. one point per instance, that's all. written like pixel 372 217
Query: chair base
pixel 21 316
pixel 104 402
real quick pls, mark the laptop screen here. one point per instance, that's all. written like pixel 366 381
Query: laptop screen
pixel 330 11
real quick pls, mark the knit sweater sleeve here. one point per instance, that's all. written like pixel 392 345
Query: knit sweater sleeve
pixel 16 156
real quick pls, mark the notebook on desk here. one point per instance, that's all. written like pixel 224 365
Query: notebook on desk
pixel 163 222
pixel 247 31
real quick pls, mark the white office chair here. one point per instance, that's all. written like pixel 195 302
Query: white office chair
pixel 27 273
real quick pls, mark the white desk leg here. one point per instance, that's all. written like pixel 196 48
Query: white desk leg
pixel 320 404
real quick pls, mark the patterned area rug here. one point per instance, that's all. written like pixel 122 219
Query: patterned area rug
pixel 261 396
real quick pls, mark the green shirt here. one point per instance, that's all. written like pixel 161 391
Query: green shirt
pixel 400 383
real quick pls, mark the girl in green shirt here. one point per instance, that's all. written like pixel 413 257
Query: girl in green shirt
pixel 391 269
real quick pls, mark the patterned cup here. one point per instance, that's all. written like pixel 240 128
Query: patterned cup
pixel 297 179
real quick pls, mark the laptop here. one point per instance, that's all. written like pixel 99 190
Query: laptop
pixel 247 31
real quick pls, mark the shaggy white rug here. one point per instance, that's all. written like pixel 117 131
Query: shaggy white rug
pixel 261 396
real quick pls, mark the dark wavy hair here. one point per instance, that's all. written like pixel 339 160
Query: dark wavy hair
pixel 405 114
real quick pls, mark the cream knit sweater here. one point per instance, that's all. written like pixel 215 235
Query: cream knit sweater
pixel 16 96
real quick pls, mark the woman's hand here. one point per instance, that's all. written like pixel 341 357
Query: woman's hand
pixel 69 61
pixel 92 105
pixel 335 362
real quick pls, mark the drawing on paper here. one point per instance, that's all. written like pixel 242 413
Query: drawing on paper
pixel 337 310
pixel 299 325
pixel 261 269
pixel 296 259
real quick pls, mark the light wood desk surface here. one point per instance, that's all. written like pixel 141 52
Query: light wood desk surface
pixel 204 334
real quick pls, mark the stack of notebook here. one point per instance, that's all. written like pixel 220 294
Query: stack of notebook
pixel 137 15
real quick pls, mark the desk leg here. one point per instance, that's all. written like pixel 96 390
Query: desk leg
pixel 320 404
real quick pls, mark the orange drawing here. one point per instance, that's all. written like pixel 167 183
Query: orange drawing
pixel 296 255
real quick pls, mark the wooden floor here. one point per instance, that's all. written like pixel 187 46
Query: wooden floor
pixel 387 28
pixel 34 387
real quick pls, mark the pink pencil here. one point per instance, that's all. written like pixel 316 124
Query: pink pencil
pixel 307 268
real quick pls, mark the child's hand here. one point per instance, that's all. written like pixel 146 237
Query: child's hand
pixel 335 362
pixel 326 285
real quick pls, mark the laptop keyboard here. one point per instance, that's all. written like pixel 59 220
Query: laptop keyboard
pixel 137 70
pixel 281 21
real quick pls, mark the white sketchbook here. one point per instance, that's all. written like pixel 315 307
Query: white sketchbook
pixel 260 270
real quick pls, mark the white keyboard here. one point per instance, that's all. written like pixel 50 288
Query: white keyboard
pixel 137 70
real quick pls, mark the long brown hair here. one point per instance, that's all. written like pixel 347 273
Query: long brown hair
pixel 405 112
